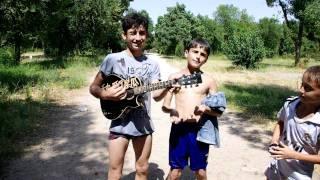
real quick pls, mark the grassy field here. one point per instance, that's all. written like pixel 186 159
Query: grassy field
pixel 27 90
pixel 257 93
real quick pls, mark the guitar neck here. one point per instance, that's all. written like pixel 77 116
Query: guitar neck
pixel 153 87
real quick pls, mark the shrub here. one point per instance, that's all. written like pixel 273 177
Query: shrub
pixel 245 49
pixel 6 57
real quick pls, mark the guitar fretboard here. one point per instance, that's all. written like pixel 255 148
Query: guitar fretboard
pixel 153 86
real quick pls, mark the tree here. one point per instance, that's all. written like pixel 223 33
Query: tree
pixel 227 16
pixel 210 30
pixel 270 32
pixel 297 9
pixel 312 14
pixel 76 25
pixel 20 22
pixel 175 26
pixel 245 49
pixel 233 21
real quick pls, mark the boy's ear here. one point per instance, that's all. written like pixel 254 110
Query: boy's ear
pixel 186 53
pixel 124 36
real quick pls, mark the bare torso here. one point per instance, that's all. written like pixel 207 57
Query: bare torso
pixel 188 98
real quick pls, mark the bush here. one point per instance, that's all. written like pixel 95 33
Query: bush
pixel 6 57
pixel 245 49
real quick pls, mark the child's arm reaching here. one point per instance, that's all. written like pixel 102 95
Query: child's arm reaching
pixel 284 152
pixel 166 107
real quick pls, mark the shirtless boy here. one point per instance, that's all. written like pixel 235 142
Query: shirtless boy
pixel 187 114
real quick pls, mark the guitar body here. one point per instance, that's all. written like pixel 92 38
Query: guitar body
pixel 113 110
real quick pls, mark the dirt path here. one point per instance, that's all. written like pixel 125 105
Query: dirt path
pixel 75 145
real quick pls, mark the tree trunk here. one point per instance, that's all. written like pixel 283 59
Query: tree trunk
pixel 298 43
pixel 17 46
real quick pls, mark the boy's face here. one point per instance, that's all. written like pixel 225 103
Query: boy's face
pixel 309 92
pixel 196 57
pixel 135 38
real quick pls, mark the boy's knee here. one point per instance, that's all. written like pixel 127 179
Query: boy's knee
pixel 201 174
pixel 114 173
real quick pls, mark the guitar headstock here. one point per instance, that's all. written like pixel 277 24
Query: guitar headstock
pixel 192 79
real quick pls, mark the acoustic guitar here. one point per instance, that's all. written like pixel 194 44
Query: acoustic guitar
pixel 113 110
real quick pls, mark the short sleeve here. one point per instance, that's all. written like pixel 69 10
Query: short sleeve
pixel 155 75
pixel 107 65
pixel 281 114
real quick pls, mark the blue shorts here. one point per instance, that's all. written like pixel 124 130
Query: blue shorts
pixel 184 147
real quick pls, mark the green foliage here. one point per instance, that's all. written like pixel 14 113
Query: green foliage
pixel 173 27
pixel 255 99
pixel 245 49
pixel 227 16
pixel 233 20
pixel 6 57
pixel 305 13
pixel 179 51
pixel 312 14
pixel 20 23
pixel 83 26
pixel 286 45
pixel 61 27
pixel 210 30
pixel 270 32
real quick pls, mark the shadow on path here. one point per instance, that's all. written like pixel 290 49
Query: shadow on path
pixel 70 146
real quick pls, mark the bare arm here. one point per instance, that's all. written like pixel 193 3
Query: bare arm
pixel 205 109
pixel 166 106
pixel 277 133
pixel 159 94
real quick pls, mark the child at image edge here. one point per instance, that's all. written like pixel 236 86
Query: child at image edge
pixel 296 138
pixel 196 107
pixel 137 125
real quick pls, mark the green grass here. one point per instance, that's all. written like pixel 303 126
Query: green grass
pixel 262 100
pixel 26 89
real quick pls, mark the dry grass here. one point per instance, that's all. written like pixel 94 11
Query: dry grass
pixel 271 71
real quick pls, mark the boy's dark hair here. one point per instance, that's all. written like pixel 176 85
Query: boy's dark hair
pixel 313 74
pixel 199 42
pixel 134 19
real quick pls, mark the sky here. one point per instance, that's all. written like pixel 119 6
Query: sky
pixel 256 8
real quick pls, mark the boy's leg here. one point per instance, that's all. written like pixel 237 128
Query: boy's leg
pixel 201 174
pixel 199 153
pixel 178 150
pixel 174 174
pixel 142 148
pixel 117 151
